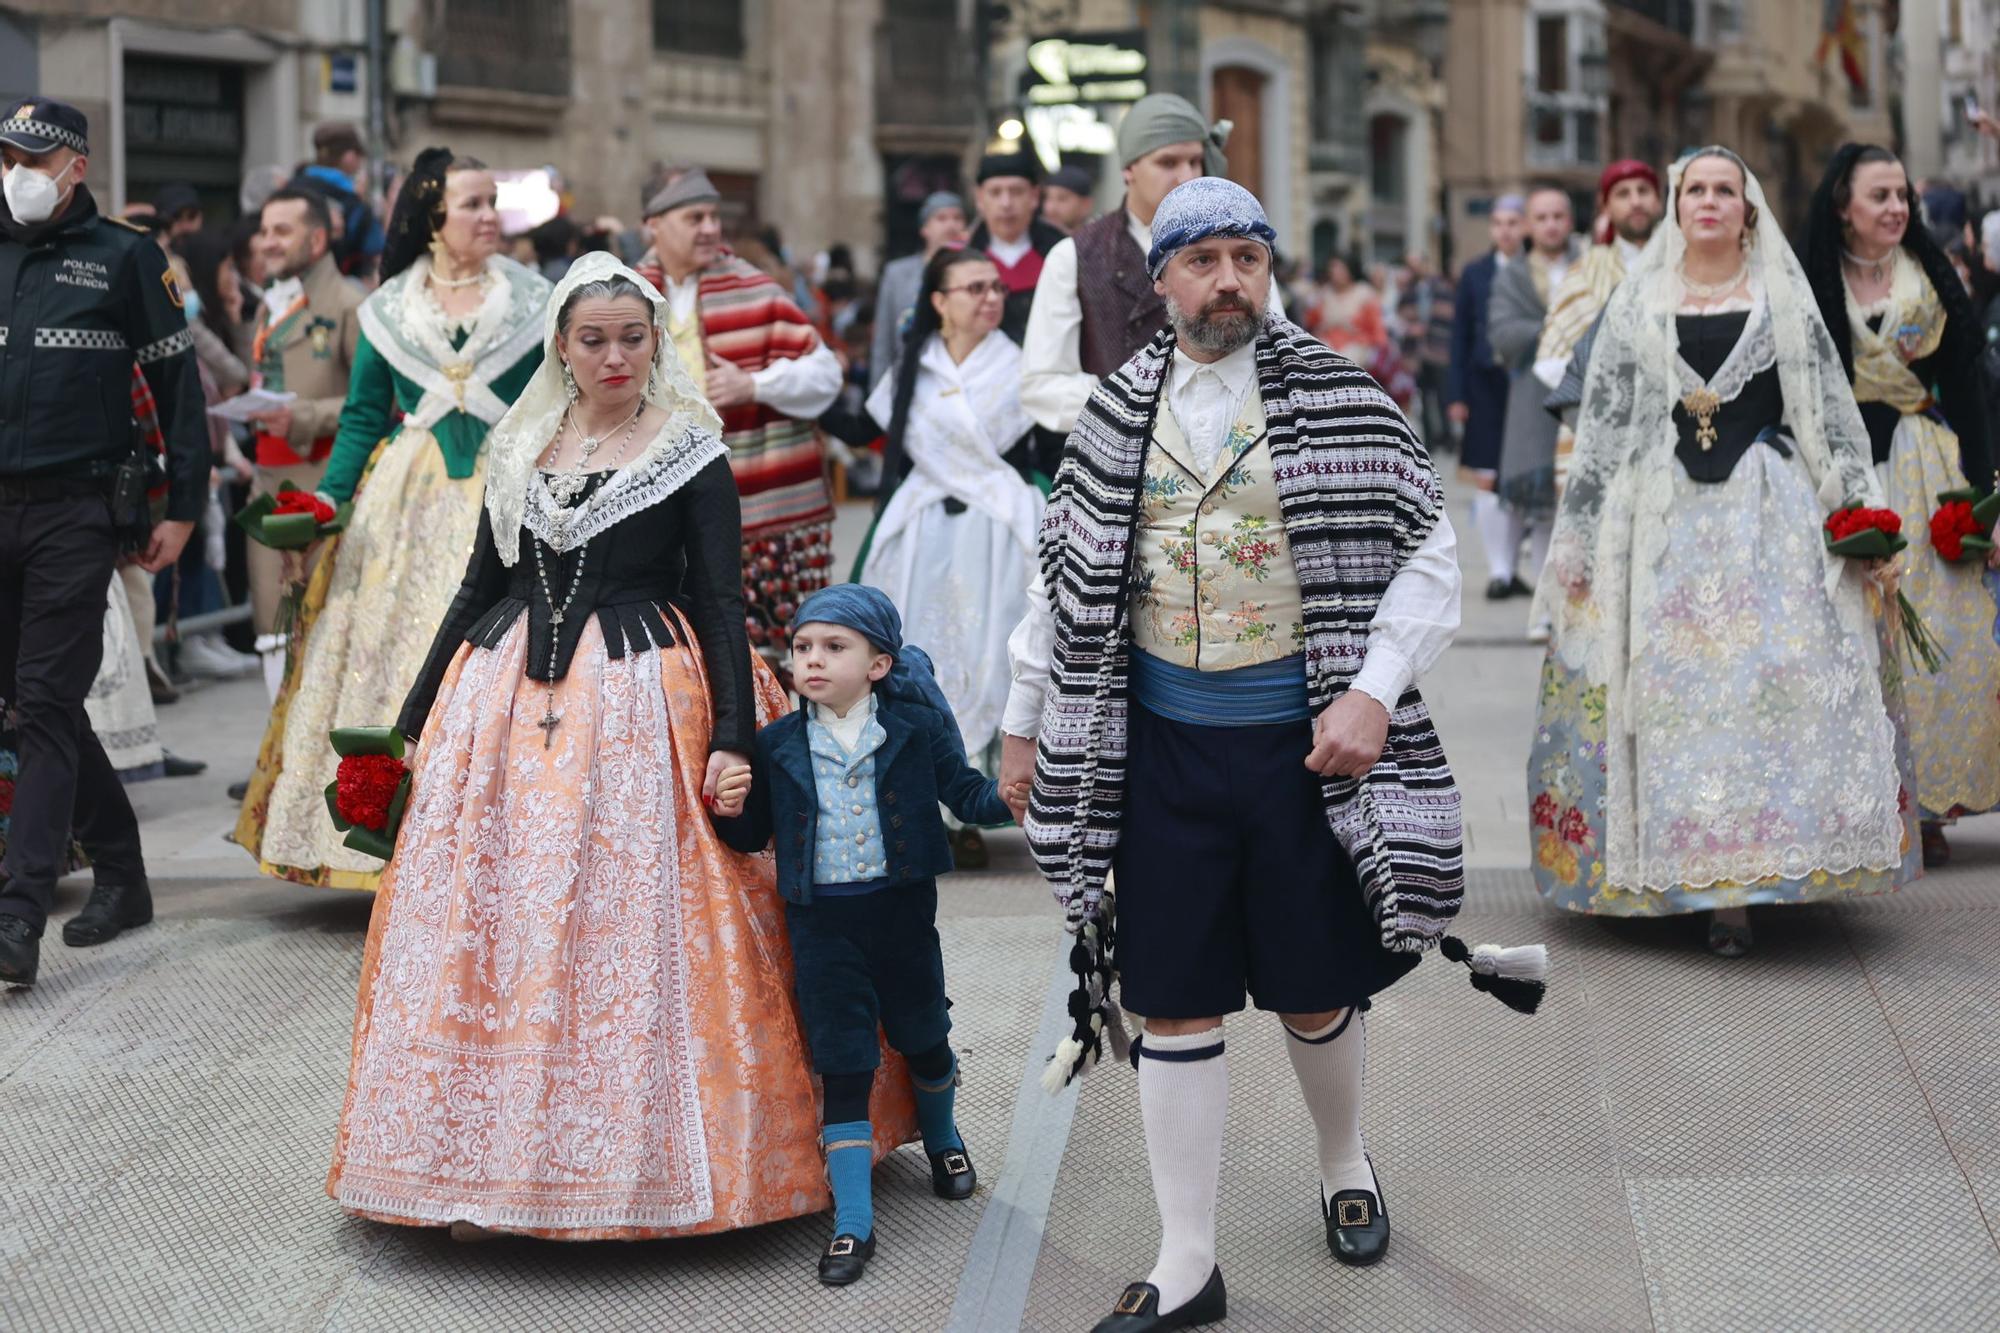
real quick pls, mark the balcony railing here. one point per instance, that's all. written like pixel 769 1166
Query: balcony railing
pixel 512 46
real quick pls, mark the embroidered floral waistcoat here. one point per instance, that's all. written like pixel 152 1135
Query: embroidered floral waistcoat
pixel 1215 587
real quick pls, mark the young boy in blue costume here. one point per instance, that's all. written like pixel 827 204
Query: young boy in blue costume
pixel 850 784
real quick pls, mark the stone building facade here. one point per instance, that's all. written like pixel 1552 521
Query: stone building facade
pixel 777 97
pixel 1555 88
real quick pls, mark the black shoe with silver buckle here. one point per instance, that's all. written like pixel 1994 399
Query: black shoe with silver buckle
pixel 846 1259
pixel 110 910
pixel 952 1176
pixel 1357 1227
pixel 1138 1309
pixel 20 951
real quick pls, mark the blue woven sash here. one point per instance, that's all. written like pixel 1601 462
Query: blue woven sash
pixel 1252 696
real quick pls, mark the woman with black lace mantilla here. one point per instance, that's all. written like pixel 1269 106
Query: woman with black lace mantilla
pixel 1910 341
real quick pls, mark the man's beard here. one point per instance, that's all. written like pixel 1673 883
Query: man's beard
pixel 1637 229
pixel 1210 330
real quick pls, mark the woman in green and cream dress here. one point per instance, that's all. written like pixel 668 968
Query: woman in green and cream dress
pixel 449 340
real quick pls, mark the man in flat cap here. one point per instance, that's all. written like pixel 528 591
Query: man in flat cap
pixel 1095 304
pixel 84 299
pixel 769 376
pixel 1018 242
pixel 941 222
pixel 1245 568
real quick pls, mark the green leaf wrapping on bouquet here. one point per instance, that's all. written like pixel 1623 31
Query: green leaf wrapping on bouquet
pixel 333 806
pixel 1874 544
pixel 250 517
pixel 366 740
pixel 287 532
pixel 1976 545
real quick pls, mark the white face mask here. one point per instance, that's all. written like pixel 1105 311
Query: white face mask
pixel 31 196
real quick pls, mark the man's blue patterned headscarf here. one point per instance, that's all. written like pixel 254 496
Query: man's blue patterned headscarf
pixel 1201 208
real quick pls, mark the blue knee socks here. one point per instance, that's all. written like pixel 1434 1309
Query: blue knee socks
pixel 935 1099
pixel 850 1157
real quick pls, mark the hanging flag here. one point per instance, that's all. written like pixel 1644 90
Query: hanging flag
pixel 1838 27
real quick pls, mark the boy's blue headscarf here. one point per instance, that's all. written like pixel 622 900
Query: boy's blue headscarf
pixel 869 612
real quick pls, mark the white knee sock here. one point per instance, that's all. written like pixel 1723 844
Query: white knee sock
pixel 1538 547
pixel 1330 1064
pixel 1184 1101
pixel 1489 520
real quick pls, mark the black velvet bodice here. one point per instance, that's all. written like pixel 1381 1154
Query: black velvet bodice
pixel 1706 342
pixel 684 549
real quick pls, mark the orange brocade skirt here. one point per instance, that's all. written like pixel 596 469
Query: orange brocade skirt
pixel 576 1016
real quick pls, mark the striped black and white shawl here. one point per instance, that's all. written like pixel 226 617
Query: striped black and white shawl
pixel 1358 496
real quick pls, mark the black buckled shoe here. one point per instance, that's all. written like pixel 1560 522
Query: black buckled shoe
pixel 952 1176
pixel 1138 1308
pixel 846 1259
pixel 1357 1227
pixel 111 910
pixel 20 951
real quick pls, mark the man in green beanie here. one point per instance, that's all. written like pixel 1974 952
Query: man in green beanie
pixel 1095 305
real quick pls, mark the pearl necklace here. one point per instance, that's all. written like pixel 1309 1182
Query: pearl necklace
pixel 454 284
pixel 1873 267
pixel 1711 291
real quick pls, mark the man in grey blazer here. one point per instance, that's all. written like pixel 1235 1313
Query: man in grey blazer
pixel 941 222
pixel 1520 303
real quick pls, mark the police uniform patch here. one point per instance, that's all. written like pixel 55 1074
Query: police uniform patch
pixel 322 339
pixel 173 285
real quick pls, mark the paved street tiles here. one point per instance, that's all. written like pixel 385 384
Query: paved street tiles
pixel 1800 1139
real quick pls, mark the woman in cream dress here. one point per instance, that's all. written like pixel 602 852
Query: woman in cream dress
pixel 449 339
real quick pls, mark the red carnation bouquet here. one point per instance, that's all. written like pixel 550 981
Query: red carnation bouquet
pixel 1962 527
pixel 370 789
pixel 1860 533
pixel 291 520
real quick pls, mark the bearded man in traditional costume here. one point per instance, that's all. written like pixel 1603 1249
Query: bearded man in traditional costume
pixel 1628 208
pixel 769 376
pixel 1245 566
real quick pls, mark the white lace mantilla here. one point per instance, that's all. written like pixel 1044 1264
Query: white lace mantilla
pixel 690 439
pixel 630 489
pixel 1618 581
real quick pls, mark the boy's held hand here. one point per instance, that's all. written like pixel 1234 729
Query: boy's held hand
pixel 732 790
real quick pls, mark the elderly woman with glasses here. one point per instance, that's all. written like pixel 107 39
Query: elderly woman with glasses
pixel 955 543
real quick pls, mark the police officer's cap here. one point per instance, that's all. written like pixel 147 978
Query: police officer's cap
pixel 38 124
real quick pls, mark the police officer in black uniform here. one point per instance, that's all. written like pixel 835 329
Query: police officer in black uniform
pixel 82 298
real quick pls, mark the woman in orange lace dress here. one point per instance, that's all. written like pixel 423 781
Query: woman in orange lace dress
pixel 576 1016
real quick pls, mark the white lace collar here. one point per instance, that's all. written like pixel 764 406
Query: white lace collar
pixel 664 466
